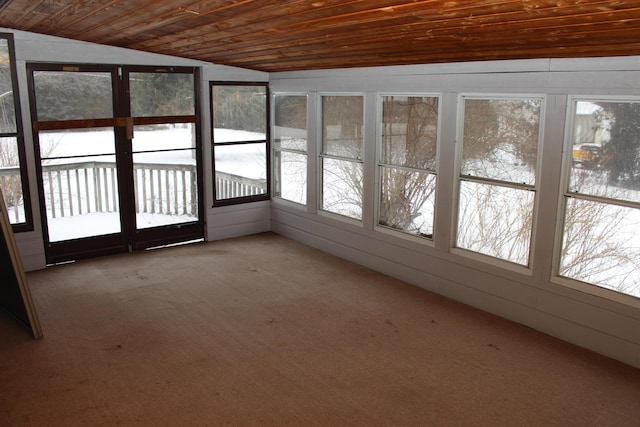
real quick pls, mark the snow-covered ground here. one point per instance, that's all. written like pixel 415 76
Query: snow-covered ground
pixel 60 148
pixel 100 223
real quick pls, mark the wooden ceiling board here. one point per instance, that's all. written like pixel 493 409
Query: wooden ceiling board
pixel 500 37
pixel 170 22
pixel 524 31
pixel 256 22
pixel 276 35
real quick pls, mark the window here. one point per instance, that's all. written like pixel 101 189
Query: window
pixel 13 172
pixel 290 147
pixel 240 142
pixel 341 155
pixel 600 243
pixel 407 163
pixel 497 181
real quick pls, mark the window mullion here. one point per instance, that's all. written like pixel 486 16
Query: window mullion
pixel 497 182
pixel 407 168
pixel 291 150
pixel 335 157
pixel 599 199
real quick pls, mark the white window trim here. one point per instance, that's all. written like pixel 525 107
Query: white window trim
pixel 320 156
pixel 488 259
pixel 563 193
pixel 272 121
pixel 378 165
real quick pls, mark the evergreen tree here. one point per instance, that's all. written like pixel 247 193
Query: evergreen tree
pixel 622 150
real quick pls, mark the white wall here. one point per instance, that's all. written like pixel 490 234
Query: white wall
pixel 610 326
pixel 592 321
pixel 31 47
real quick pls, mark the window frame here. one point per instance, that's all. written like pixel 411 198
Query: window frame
pixel 426 240
pixel 458 179
pixel 267 141
pixel 28 224
pixel 321 156
pixel 275 149
pixel 564 195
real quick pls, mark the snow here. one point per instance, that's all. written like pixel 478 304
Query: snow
pixel 101 223
pixel 77 226
pixel 248 160
pixel 70 146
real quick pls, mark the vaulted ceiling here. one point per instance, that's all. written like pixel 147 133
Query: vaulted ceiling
pixel 276 35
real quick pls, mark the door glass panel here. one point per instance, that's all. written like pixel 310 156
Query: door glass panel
pixel 80 183
pixel 165 175
pixel 161 94
pixel 66 95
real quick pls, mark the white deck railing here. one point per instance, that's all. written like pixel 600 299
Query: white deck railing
pixel 229 186
pixel 92 186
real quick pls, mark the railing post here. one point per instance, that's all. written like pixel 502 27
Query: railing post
pixel 78 190
pixel 96 189
pixel 144 189
pixel 151 187
pixel 69 192
pixel 175 192
pixel 59 179
pixel 86 188
pixel 136 203
pixel 194 192
pixel 184 191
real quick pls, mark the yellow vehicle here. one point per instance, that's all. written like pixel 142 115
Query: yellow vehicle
pixel 587 155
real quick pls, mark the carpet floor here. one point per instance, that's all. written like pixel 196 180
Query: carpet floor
pixel 265 331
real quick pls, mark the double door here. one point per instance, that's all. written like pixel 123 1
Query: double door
pixel 118 157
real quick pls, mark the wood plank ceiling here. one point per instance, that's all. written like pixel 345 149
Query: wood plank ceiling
pixel 276 35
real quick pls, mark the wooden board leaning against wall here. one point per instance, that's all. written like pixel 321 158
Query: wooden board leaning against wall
pixel 15 296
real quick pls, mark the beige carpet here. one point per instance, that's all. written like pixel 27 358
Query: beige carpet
pixel 264 331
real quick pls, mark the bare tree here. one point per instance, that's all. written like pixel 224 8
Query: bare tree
pixel 342 169
pixel 495 221
pixel 601 242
